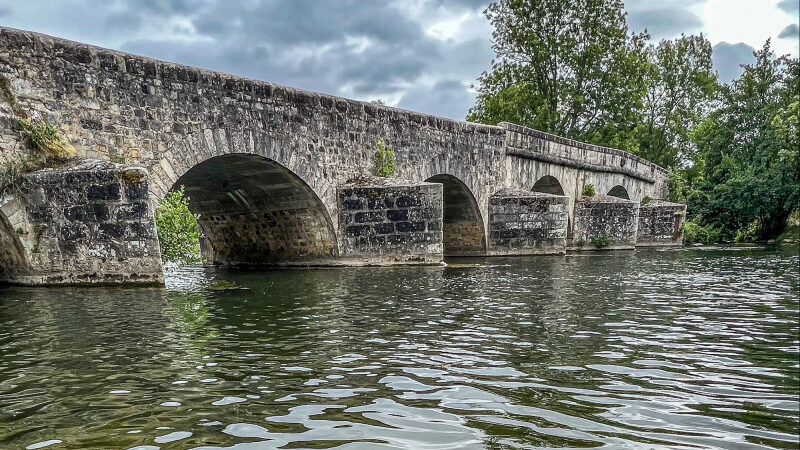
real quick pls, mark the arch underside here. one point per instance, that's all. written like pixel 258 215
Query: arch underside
pixel 549 185
pixel 619 191
pixel 253 211
pixel 462 226
pixel 12 260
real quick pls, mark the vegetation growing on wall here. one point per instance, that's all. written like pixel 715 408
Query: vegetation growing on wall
pixel 385 165
pixel 178 234
pixel 601 241
pixel 47 145
pixel 588 191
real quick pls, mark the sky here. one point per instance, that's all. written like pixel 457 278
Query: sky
pixel 422 55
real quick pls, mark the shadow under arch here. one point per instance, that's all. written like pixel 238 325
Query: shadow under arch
pixel 255 211
pixel 619 191
pixel 12 253
pixel 462 224
pixel 549 185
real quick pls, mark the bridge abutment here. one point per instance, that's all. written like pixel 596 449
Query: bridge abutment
pixel 527 223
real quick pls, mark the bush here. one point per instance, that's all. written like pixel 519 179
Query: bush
pixel 601 241
pixel 178 234
pixel 588 190
pixel 384 161
pixel 646 200
pixel 693 233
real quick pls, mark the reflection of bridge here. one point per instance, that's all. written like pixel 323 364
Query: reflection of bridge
pixel 271 171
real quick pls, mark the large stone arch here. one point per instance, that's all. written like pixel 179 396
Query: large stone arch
pixel 255 211
pixel 463 228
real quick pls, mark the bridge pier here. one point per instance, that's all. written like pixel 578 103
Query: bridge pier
pixel 604 222
pixel 527 223
pixel 88 223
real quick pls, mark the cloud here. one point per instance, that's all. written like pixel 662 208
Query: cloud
pixel 665 21
pixel 790 32
pixel 729 57
pixel 790 6
pixel 449 96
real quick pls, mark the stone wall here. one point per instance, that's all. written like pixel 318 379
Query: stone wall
pixel 660 224
pixel 527 223
pixel 390 221
pixel 87 223
pixel 604 222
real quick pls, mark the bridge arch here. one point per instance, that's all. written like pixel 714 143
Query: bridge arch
pixel 620 192
pixel 462 225
pixel 255 211
pixel 12 252
pixel 549 185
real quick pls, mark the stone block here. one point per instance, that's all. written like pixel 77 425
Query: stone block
pixel 390 221
pixel 660 224
pixel 604 223
pixel 526 223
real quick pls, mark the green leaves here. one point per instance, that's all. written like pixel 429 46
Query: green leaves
pixel 385 165
pixel 177 229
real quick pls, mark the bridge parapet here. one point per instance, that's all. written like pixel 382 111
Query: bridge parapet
pixel 537 145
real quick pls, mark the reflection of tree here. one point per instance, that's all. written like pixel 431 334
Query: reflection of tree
pixel 188 314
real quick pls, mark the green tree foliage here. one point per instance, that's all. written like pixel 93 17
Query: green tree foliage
pixel 385 165
pixel 746 179
pixel 177 229
pixel 567 67
pixel 588 191
pixel 681 85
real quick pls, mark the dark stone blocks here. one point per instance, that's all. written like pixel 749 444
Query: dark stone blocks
pixel 385 221
pixel 527 223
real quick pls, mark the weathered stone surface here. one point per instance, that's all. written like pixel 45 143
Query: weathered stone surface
pixel 527 223
pixel 89 222
pixel 384 221
pixel 605 218
pixel 280 204
pixel 660 224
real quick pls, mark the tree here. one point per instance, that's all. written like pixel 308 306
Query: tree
pixel 568 67
pixel 177 229
pixel 748 151
pixel 681 85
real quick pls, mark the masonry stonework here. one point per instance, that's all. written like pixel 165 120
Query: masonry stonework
pixel 605 223
pixel 527 223
pixel 660 224
pixel 390 221
pixel 263 163
pixel 87 223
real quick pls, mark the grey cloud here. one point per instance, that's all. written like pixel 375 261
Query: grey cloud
pixel 790 32
pixel 789 6
pixel 666 21
pixel 729 57
pixel 450 97
pixel 4 11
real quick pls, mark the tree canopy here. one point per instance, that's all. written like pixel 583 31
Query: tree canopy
pixel 572 68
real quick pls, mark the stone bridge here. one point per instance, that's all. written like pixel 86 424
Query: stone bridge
pixel 281 176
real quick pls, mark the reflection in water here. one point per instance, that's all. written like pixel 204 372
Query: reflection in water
pixel 653 348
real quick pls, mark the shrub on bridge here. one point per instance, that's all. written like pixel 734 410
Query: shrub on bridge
pixel 178 234
pixel 588 190
pixel 385 165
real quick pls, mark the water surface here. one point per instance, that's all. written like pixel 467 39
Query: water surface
pixel 647 349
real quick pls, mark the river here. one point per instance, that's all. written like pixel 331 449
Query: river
pixel 647 349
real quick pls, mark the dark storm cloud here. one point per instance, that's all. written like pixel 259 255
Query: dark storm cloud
pixel 729 57
pixel 789 6
pixel 664 21
pixel 790 32
pixel 449 96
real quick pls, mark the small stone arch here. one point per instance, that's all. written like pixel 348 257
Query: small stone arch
pixel 12 253
pixel 462 225
pixel 619 191
pixel 549 185
pixel 255 211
